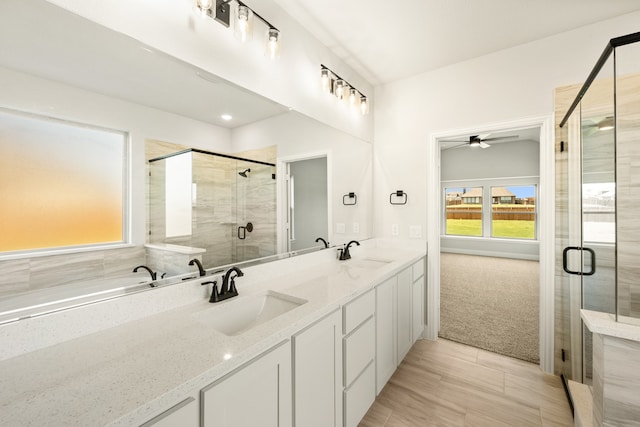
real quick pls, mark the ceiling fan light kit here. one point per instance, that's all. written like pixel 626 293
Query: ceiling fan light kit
pixel 475 141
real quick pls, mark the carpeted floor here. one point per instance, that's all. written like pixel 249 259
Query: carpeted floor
pixel 491 303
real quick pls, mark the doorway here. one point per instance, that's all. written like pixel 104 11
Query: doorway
pixel 307 210
pixel 544 228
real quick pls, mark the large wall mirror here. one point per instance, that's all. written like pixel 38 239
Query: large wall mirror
pixel 57 67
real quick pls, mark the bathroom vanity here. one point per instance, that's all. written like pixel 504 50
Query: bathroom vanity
pixel 309 341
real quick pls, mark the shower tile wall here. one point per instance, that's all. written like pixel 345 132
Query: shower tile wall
pixel 49 271
pixel 628 191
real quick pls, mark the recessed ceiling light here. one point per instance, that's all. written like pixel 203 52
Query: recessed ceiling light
pixel 226 117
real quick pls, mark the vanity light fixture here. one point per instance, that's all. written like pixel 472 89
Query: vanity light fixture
pixel 336 85
pixel 243 27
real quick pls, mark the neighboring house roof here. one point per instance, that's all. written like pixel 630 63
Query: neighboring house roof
pixel 495 192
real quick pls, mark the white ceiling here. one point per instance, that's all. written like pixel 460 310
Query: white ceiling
pixel 45 43
pixel 385 40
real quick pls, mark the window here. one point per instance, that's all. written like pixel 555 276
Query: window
pixel 514 216
pixel 62 184
pixel 463 211
pixel 509 211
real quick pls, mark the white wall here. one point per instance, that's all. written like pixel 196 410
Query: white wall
pixel 349 164
pixel 173 27
pixel 27 93
pixel 510 84
pixel 506 160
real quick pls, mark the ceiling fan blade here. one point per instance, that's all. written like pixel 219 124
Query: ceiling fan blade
pixel 483 136
pixel 466 144
pixel 498 138
pixel 483 145
pixel 453 140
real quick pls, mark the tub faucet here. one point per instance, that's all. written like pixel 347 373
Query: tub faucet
pixel 153 274
pixel 344 253
pixel 320 239
pixel 200 267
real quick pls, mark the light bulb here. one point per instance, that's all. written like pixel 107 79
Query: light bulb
pixel 205 4
pixel 324 79
pixel 339 91
pixel 273 43
pixel 204 7
pixel 243 23
pixel 364 105
pixel 353 95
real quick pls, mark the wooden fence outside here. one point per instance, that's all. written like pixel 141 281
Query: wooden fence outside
pixel 510 213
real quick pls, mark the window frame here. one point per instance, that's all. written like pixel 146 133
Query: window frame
pixel 487 203
pixel 126 193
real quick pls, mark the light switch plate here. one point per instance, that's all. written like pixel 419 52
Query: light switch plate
pixel 356 227
pixel 340 228
pixel 415 232
pixel 395 229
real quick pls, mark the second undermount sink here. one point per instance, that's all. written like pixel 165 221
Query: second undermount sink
pixel 236 317
pixel 368 263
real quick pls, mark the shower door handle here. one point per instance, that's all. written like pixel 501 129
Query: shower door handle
pixel 565 267
pixel 244 233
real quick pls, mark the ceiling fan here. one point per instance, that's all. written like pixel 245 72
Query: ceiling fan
pixel 477 141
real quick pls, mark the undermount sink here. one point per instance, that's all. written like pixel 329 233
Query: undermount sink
pixel 236 317
pixel 368 263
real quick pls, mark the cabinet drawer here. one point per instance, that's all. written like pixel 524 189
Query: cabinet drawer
pixel 356 312
pixel 418 269
pixel 359 350
pixel 359 397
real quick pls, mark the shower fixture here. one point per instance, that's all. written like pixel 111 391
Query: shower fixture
pixel 244 173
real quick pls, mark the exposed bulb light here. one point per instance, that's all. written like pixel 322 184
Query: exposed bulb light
pixel 273 43
pixel 364 105
pixel 243 23
pixel 339 90
pixel 204 6
pixel 353 96
pixel 324 79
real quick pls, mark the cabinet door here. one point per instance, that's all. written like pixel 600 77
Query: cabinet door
pixel 404 313
pixel 417 312
pixel 257 394
pixel 317 373
pixel 385 332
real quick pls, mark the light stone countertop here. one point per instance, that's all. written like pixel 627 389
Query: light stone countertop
pixel 129 373
pixel 605 324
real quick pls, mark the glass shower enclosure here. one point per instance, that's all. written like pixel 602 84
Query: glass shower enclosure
pixel 217 202
pixel 598 183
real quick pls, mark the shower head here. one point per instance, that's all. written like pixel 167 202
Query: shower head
pixel 244 173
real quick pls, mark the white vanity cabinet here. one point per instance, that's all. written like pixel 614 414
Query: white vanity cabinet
pixel 399 319
pixel 418 302
pixel 256 394
pixel 317 373
pixel 404 326
pixel 386 353
pixel 184 414
pixel 359 355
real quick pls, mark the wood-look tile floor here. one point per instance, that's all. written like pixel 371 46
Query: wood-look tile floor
pixel 444 383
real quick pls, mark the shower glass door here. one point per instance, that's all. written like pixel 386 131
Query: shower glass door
pixel 590 257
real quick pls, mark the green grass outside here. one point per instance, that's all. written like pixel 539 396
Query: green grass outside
pixel 500 228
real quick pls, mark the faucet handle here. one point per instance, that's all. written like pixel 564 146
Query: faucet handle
pixel 214 290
